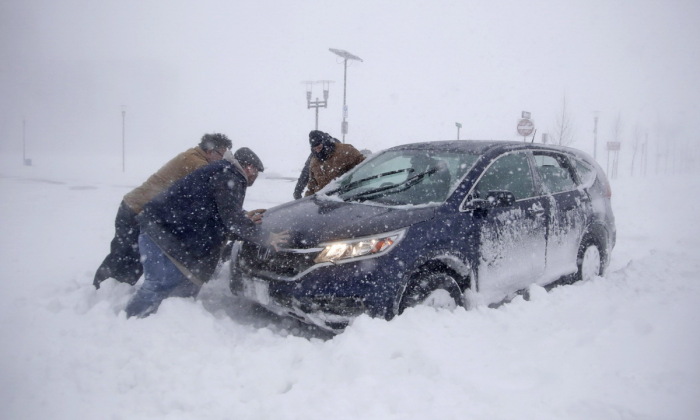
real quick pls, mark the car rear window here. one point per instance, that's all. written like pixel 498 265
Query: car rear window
pixel 586 173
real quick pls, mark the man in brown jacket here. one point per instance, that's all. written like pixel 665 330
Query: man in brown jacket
pixel 330 160
pixel 123 262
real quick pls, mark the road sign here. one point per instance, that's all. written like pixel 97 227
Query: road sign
pixel 613 146
pixel 525 127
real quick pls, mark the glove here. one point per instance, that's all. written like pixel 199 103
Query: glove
pixel 255 215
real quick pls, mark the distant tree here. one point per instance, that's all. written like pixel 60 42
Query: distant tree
pixel 617 134
pixel 563 133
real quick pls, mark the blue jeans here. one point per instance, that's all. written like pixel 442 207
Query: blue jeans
pixel 162 279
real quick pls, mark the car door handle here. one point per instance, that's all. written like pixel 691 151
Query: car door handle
pixel 535 211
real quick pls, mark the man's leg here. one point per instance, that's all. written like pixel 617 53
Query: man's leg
pixel 124 261
pixel 162 279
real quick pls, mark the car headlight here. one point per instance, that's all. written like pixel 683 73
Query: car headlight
pixel 359 247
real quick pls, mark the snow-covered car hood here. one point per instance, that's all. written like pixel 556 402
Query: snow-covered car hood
pixel 311 221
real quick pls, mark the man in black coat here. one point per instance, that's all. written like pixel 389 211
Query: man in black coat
pixel 184 229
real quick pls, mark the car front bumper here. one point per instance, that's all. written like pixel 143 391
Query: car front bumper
pixel 328 296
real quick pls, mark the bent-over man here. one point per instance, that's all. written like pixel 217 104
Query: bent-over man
pixel 123 263
pixel 184 229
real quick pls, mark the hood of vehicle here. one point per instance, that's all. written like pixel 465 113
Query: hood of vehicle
pixel 311 221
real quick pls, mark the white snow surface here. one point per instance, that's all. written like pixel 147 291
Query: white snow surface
pixel 623 346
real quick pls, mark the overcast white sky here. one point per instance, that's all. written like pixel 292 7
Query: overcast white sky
pixel 181 69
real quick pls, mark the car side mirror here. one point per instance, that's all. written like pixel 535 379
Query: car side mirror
pixel 478 204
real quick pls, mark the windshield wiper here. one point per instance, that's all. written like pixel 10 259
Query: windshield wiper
pixel 391 189
pixel 353 184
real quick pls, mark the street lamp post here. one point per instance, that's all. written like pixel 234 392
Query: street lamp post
pixel 346 56
pixel 123 139
pixel 317 104
pixel 458 127
pixel 25 161
pixel 595 136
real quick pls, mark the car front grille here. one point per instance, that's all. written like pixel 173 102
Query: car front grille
pixel 265 262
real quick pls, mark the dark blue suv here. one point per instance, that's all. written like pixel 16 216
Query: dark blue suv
pixel 442 223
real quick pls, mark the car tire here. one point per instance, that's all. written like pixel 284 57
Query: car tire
pixel 435 289
pixel 589 260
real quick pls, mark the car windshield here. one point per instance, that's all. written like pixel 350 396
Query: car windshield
pixel 401 177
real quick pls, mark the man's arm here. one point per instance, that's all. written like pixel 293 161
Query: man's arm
pixel 303 179
pixel 229 194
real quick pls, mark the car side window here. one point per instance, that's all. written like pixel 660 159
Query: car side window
pixel 585 172
pixel 555 173
pixel 510 172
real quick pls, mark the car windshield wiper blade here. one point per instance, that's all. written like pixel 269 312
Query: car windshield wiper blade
pixel 391 189
pixel 353 184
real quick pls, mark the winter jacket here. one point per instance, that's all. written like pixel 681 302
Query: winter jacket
pixel 181 165
pixel 343 158
pixel 193 219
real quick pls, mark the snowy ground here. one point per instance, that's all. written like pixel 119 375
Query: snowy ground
pixel 621 347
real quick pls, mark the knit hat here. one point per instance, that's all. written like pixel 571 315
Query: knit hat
pixel 317 137
pixel 246 157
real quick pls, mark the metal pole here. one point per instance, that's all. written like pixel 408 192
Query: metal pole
pixel 24 142
pixel 317 114
pixel 595 138
pixel 644 150
pixel 346 56
pixel 123 140
pixel 343 128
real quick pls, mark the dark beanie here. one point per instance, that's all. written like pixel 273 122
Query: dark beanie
pixel 317 137
pixel 246 157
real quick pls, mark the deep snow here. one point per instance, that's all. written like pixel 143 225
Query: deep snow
pixel 624 346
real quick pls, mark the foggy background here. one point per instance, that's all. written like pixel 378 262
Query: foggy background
pixel 181 69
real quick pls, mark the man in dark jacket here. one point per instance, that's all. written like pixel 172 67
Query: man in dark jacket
pixel 124 261
pixel 330 160
pixel 184 229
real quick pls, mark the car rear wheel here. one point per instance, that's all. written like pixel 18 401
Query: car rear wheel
pixel 434 289
pixel 590 262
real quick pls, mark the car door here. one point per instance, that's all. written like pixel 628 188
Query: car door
pixel 569 207
pixel 512 238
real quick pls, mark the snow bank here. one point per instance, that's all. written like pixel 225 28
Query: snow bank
pixel 620 347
